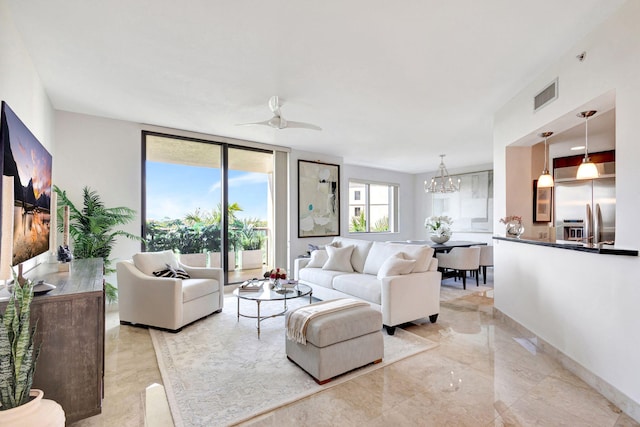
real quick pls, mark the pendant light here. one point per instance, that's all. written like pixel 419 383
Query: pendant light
pixel 545 180
pixel 587 169
pixel 443 182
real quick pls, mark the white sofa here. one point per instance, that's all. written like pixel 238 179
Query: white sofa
pixel 401 280
pixel 166 302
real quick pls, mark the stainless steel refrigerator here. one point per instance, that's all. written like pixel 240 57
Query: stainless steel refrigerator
pixel 585 210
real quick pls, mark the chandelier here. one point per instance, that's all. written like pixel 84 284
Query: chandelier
pixel 442 183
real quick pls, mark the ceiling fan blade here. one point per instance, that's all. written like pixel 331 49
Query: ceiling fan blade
pixel 302 125
pixel 274 105
pixel 275 122
pixel 265 123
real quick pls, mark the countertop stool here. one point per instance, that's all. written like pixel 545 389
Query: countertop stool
pixel 339 342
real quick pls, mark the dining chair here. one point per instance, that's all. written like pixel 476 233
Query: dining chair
pixel 461 261
pixel 486 260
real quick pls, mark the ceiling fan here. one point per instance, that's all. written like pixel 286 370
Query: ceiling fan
pixel 279 122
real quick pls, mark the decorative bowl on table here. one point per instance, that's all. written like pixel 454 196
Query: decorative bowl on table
pixel 440 238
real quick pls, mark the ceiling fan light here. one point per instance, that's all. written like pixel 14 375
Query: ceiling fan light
pixel 587 170
pixel 545 180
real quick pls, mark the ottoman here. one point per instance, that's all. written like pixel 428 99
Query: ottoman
pixel 339 342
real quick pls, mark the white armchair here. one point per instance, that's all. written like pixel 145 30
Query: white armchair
pixel 166 302
pixel 461 260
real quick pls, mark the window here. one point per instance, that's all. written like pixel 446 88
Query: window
pixel 373 207
pixel 186 183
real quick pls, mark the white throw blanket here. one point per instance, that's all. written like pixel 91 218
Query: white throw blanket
pixel 299 319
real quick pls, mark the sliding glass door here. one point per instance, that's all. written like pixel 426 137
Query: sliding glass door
pixel 210 203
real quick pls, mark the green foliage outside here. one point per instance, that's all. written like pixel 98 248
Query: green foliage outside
pixel 200 231
pixel 18 353
pixel 381 225
pixel 359 224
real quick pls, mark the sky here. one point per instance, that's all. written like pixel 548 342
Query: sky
pixel 176 190
pixel 32 159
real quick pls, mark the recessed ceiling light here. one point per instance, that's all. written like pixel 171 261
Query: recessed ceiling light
pixel 577 147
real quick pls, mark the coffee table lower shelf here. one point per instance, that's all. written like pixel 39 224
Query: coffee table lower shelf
pixel 267 294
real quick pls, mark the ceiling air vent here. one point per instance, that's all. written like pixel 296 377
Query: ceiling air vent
pixel 546 95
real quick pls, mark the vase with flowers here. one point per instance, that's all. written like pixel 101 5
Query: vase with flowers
pixel 276 277
pixel 513 224
pixel 439 228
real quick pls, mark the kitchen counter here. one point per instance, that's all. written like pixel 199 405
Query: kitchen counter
pixel 571 245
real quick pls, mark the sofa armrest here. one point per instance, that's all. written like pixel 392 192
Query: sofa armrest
pixel 299 264
pixel 409 297
pixel 146 299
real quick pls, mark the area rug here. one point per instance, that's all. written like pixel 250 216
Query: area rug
pixel 217 372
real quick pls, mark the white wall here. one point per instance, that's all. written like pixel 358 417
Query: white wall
pixel 104 155
pixel 21 88
pixel 585 305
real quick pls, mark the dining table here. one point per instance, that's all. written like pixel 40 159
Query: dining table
pixel 446 246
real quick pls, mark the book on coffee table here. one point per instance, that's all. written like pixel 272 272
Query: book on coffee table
pixel 250 286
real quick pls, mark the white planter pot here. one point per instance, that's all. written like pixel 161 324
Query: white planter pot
pixel 194 260
pixel 38 412
pixel 251 259
pixel 214 260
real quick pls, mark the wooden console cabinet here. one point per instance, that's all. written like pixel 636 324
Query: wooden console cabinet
pixel 70 369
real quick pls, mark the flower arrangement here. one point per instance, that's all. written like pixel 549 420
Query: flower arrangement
pixel 438 225
pixel 276 273
pixel 511 218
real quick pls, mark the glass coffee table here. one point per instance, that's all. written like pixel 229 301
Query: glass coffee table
pixel 265 293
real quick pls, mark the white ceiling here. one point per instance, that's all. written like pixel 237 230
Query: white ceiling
pixel 392 84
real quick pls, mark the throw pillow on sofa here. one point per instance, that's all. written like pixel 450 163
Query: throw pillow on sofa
pixel 381 251
pixel 339 259
pixel 396 265
pixel 422 254
pixel 318 258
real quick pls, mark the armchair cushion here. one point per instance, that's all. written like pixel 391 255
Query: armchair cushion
pixel 148 262
pixel 196 288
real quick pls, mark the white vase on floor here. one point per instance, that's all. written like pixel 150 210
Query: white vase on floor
pixel 38 412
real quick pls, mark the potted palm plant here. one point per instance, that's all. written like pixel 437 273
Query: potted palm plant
pixel 92 229
pixel 19 403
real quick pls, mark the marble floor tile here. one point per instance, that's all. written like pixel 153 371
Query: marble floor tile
pixel 483 373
